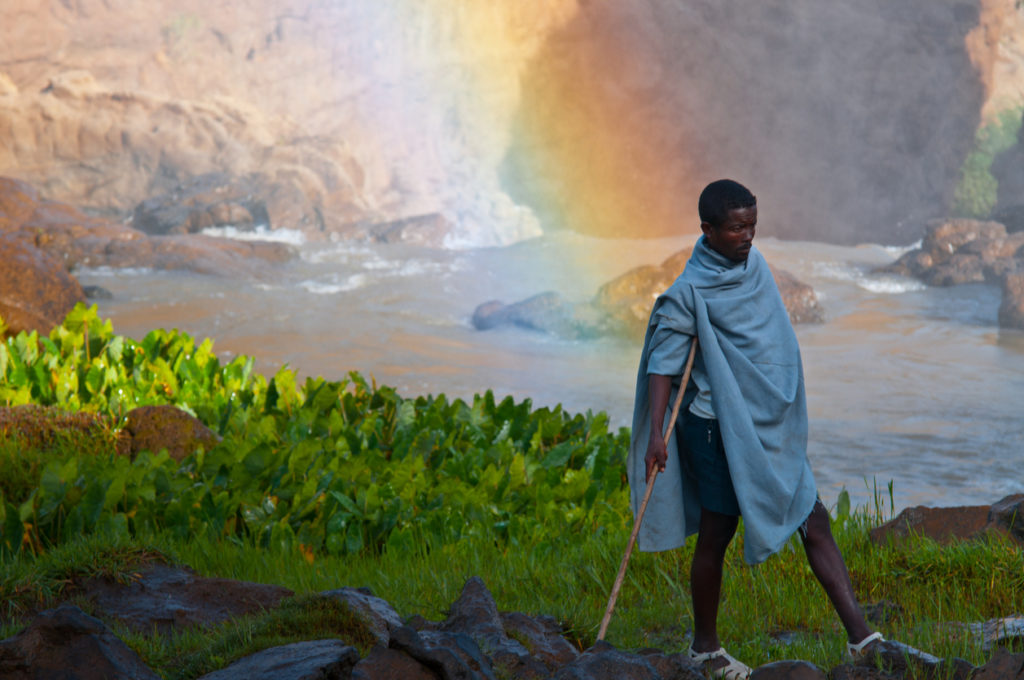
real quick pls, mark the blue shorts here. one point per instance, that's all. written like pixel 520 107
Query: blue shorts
pixel 703 460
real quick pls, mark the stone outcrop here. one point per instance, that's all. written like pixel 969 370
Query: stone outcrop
pixel 72 238
pixel 622 306
pixel 160 427
pixel 475 642
pixel 40 427
pixel 109 150
pixel 944 525
pixel 959 251
pixel 36 291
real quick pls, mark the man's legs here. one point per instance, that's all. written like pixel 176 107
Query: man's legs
pixel 827 564
pixel 716 531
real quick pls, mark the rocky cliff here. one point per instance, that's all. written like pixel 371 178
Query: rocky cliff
pixel 851 122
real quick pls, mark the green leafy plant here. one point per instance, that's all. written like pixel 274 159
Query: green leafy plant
pixel 977 192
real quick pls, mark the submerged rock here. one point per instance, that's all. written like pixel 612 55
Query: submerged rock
pixel 959 251
pixel 622 306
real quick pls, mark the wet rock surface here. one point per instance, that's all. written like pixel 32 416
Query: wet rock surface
pixel 622 306
pixel 959 251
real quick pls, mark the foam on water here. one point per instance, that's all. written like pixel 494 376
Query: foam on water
pixel 261 233
pixel 889 284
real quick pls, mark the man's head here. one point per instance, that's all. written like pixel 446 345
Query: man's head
pixel 728 218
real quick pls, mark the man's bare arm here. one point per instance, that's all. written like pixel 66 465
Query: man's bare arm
pixel 659 388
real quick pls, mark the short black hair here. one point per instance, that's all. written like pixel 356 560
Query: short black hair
pixel 721 196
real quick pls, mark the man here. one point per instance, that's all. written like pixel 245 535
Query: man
pixel 740 445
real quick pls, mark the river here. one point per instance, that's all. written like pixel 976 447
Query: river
pixel 907 385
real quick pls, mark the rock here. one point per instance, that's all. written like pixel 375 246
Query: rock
pixel 1008 514
pixel 211 200
pixel 59 640
pixel 97 293
pixel 36 292
pixel 153 428
pixel 1002 666
pixel 65 233
pixel 940 524
pixel 1006 632
pixel 848 672
pixel 164 598
pixel 388 664
pixel 604 662
pixel 622 306
pixel 453 656
pixel 958 269
pixel 944 237
pixel 542 637
pixel 788 670
pixel 901 660
pixel 310 660
pixel 378 615
pixel 476 615
pixel 672 666
pixel 421 230
pixel 547 312
pixel 1011 308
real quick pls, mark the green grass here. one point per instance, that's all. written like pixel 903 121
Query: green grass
pixel 567 577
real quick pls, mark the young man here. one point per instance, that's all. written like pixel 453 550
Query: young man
pixel 740 444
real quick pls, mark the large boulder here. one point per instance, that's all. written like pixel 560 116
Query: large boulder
pixel 622 306
pixel 36 291
pixel 40 427
pixel 160 427
pixel 946 524
pixel 67 643
pixel 1011 307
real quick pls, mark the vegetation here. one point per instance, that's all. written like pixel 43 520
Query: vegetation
pixel 977 193
pixel 329 484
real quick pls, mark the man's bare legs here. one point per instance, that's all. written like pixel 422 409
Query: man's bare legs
pixel 828 566
pixel 716 531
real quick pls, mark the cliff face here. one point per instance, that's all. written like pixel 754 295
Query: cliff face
pixel 850 122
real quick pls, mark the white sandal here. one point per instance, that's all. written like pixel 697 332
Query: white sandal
pixel 734 670
pixel 856 651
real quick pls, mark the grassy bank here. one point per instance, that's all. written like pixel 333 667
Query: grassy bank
pixel 325 484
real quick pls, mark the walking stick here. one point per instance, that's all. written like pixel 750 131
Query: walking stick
pixel 647 496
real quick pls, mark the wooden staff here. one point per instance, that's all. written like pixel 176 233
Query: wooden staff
pixel 647 495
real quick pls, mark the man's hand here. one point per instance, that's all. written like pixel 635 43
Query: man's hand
pixel 656 455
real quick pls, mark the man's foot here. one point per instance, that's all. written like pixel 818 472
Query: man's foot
pixel 862 649
pixel 720 664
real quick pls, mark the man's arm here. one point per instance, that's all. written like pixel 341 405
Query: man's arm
pixel 659 387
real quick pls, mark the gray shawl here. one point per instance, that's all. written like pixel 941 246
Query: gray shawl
pixel 750 354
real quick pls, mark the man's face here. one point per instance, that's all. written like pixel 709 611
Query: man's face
pixel 734 236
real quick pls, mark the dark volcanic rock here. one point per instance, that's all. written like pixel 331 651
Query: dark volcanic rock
pixel 311 660
pixel 388 664
pixel 904 661
pixel 788 670
pixel 153 428
pixel 476 615
pixel 453 656
pixel 1002 666
pixel 542 636
pixel 1008 513
pixel 166 598
pixel 604 662
pixel 65 643
pixel 36 291
pixel 378 615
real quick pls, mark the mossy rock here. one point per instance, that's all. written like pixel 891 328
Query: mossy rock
pixel 155 428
